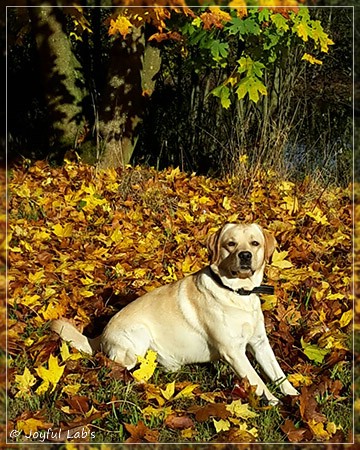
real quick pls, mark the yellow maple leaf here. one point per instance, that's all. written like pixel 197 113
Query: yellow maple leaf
pixel 188 433
pixel 278 260
pixel 65 231
pixel 244 427
pixel 30 300
pixel 24 383
pixel 162 412
pixel 34 278
pixel 117 236
pixel 29 425
pixel 91 411
pixel 72 389
pixel 346 318
pixel 85 293
pixel 302 31
pixel 53 310
pixel 298 379
pixel 147 366
pixel 318 430
pixel 41 235
pixel 241 410
pixel 121 25
pixel 66 410
pixel 318 216
pixel 221 425
pixel 186 392
pixel 65 353
pixel 169 390
pixel 311 59
pixel 226 203
pixel 291 204
pixel 268 302
pixel 187 264
pixel 51 376
pixel 286 186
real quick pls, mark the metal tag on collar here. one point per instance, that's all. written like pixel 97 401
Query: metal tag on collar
pixel 263 289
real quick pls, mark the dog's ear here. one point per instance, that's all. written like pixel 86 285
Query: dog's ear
pixel 212 244
pixel 270 244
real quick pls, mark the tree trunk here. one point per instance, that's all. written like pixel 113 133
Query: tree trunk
pixel 63 80
pixel 130 79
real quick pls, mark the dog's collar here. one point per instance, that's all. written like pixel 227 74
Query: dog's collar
pixel 262 289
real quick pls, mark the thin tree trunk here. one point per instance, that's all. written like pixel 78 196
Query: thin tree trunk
pixel 130 80
pixel 63 80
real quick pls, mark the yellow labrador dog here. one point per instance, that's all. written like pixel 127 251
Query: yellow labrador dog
pixel 212 314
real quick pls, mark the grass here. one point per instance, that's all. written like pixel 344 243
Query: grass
pixel 268 424
pixel 125 401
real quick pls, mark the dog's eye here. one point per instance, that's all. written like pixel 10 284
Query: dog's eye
pixel 231 244
pixel 255 243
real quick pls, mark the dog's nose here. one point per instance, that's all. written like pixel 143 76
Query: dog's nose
pixel 245 257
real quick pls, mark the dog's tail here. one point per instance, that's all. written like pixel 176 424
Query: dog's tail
pixel 75 339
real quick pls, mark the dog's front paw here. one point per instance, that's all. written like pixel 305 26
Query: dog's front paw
pixel 288 389
pixel 274 401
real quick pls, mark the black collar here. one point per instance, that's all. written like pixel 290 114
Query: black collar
pixel 263 289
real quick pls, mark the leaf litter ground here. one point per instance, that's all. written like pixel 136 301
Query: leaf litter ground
pixel 84 243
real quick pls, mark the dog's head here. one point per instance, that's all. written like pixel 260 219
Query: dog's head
pixel 240 250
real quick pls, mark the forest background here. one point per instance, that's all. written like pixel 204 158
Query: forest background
pixel 198 104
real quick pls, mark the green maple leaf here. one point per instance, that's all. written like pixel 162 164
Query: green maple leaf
pixel 236 26
pixel 272 40
pixel 280 22
pixel 243 26
pixel 264 15
pixel 314 352
pixel 219 50
pixel 223 93
pixel 251 27
pixel 252 86
pixel 246 64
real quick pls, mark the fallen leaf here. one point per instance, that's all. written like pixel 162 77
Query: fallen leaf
pixel 65 353
pixel 278 260
pixel 179 422
pixel 169 390
pixel 147 366
pixel 294 434
pixel 314 352
pixel 31 425
pixel 239 409
pixel 140 433
pixel 50 376
pixel 346 318
pixel 24 383
pixel 162 411
pixel 213 410
pixel 221 425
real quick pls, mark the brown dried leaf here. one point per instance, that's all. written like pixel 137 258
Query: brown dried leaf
pixel 294 434
pixel 141 433
pixel 212 410
pixel 179 422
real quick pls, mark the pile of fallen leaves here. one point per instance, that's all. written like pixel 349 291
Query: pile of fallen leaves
pixel 83 243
